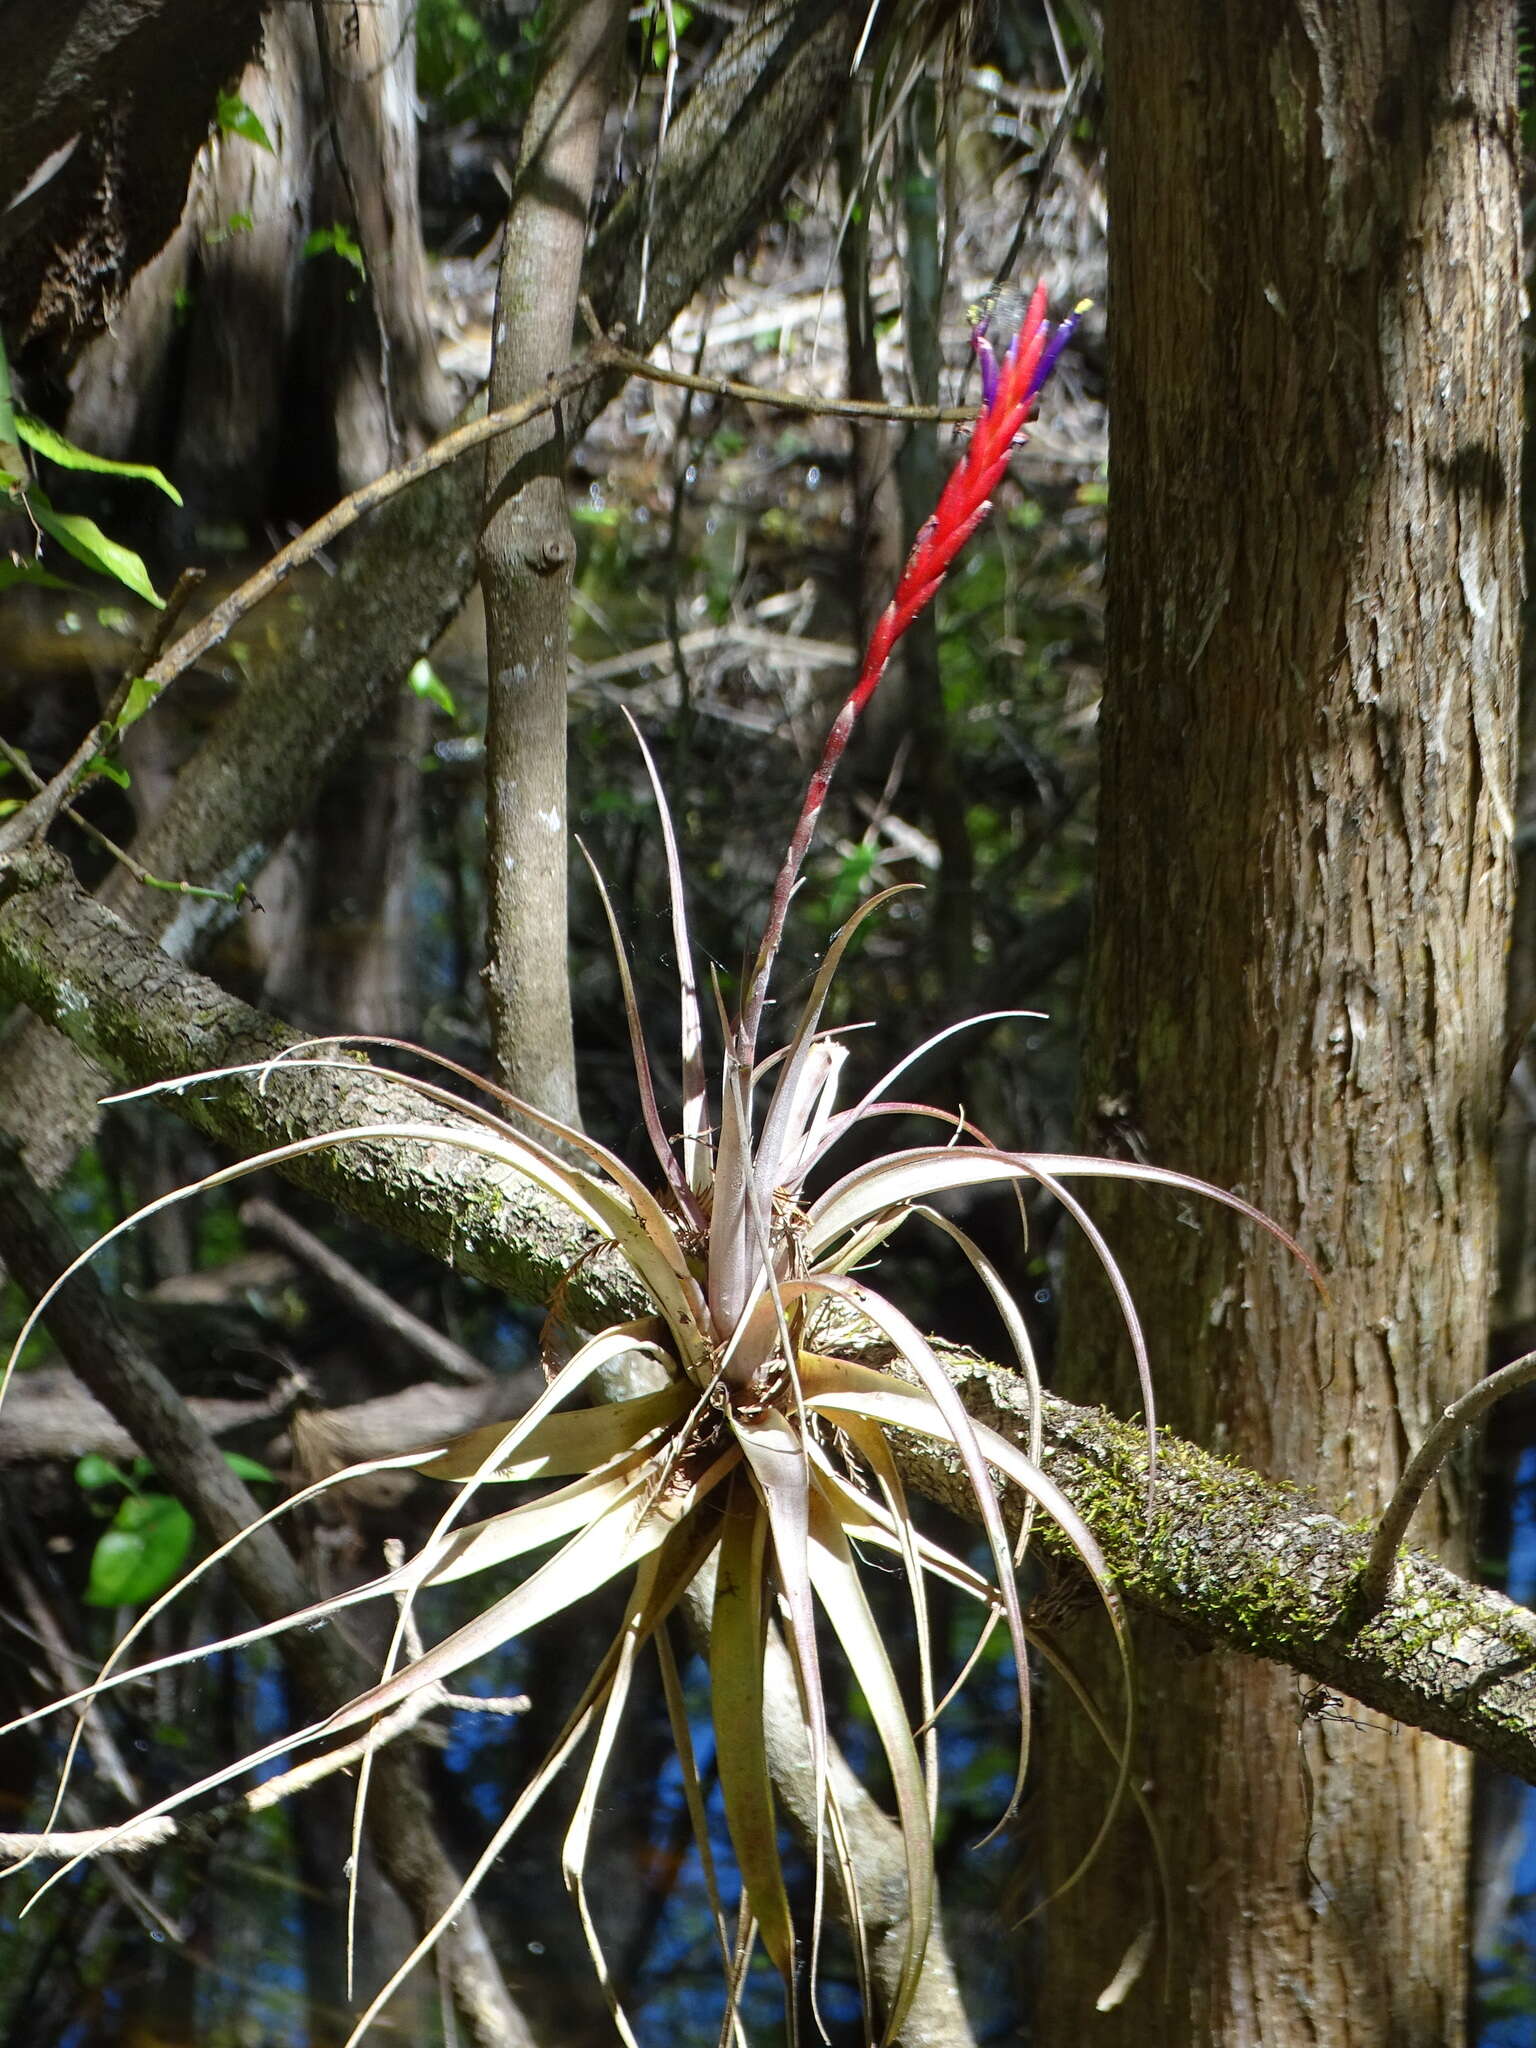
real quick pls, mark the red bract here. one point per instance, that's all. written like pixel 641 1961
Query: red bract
pixel 1009 392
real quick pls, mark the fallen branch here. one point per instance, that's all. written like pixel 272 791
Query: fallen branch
pixel 360 1294
pixel 1229 1557
pixel 50 1414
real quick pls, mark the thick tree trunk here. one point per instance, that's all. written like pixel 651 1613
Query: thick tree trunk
pixel 296 379
pixel 105 108
pixel 346 961
pixel 528 565
pixel 1297 981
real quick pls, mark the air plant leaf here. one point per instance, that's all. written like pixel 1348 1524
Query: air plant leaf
pixel 736 1639
pixel 835 1576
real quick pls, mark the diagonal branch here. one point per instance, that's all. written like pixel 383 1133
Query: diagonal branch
pixel 1231 1558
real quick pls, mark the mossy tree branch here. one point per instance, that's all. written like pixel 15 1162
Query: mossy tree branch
pixel 1227 1556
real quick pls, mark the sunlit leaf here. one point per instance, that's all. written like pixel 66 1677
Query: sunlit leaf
pixel 835 1577
pixel 562 1443
pixel 48 441
pixel 84 539
pixel 736 1699
pixel 337 240
pixel 425 681
pixel 93 1471
pixel 248 1468
pixel 141 1553
pixel 141 696
pixel 234 117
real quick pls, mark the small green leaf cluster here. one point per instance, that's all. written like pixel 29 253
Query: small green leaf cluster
pixel 150 1535
pixel 73 531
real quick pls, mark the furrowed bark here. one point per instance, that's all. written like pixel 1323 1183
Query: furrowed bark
pixel 1304 882
pixel 528 566
pixel 106 106
pixel 1234 1559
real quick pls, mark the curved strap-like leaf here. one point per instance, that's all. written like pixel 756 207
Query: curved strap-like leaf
pixel 945 1408
pixel 736 1639
pixel 778 1138
pixel 623 1533
pixel 659 1585
pixel 907 1177
pixel 835 1388
pixel 640 1057
pixel 567 1442
pixel 698 1163
pixel 835 1576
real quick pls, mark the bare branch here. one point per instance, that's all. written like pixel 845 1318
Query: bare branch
pixel 361 1295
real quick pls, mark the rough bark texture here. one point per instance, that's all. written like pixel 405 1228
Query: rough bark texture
pixel 528 565
pixel 1297 987
pixel 1234 1558
pixel 293 378
pixel 347 961
pixel 262 766
pixel 133 89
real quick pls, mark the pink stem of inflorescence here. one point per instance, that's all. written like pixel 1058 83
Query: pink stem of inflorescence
pixel 1009 393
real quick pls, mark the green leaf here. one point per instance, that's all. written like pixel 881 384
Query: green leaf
pixel 141 1553
pixel 94 1471
pixel 13 572
pixel 245 1468
pixel 426 682
pixel 84 539
pixel 13 464
pixel 112 771
pixel 337 240
pixel 236 118
pixel 58 448
pixel 141 695
pixel 237 224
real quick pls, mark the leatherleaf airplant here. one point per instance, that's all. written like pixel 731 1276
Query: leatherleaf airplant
pixel 753 1455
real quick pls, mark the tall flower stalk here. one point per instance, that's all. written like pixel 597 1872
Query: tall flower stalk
pixel 757 1452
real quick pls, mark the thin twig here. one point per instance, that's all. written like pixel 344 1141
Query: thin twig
pixel 1376 1579
pixel 450 1358
pixel 213 627
pixel 130 1837
pixel 104 1752
pixel 599 360
pixel 140 874
pixel 793 401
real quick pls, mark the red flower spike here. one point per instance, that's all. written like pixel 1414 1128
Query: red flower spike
pixel 1010 390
